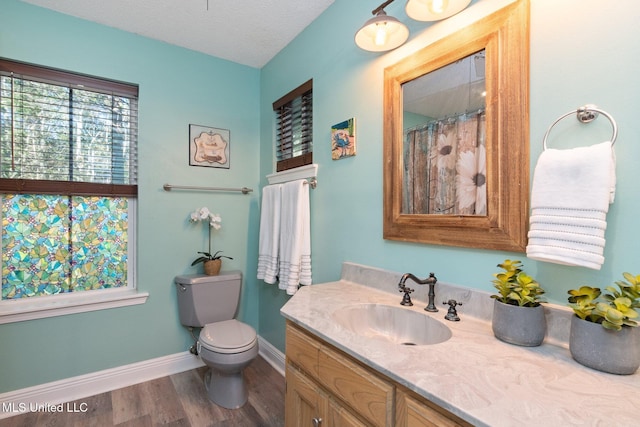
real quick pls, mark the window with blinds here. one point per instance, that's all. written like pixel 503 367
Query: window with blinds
pixel 65 133
pixel 294 128
pixel 68 181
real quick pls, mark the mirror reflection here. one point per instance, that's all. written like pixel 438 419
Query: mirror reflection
pixel 444 140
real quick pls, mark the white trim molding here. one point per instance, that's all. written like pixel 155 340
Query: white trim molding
pixel 59 305
pixel 302 172
pixel 272 355
pixel 75 388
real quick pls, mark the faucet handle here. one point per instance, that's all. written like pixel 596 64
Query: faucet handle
pixel 406 299
pixel 452 314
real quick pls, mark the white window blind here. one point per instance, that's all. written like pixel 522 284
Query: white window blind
pixel 294 128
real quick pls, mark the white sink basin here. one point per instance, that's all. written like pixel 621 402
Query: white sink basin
pixel 398 325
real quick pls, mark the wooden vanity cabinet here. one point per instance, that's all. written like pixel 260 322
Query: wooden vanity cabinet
pixel 305 401
pixel 323 385
pixel 328 388
pixel 307 404
pixel 415 411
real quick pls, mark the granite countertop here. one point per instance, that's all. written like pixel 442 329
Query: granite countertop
pixel 482 380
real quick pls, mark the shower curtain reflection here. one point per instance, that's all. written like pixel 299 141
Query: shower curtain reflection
pixel 445 167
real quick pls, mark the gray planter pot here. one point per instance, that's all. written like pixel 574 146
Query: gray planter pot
pixel 615 352
pixel 524 326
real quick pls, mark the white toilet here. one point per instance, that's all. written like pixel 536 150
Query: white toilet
pixel 225 344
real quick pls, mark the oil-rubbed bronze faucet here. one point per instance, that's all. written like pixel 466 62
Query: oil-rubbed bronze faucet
pixel 431 281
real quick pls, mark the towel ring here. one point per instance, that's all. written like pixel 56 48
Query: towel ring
pixel 585 114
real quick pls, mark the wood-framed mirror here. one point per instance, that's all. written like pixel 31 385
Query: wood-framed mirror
pixel 497 217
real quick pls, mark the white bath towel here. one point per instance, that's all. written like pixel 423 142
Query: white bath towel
pixel 295 237
pixel 269 243
pixel 570 198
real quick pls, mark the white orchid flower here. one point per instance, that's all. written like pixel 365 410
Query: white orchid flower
pixel 204 213
pixel 214 221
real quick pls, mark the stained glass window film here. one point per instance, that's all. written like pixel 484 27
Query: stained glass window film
pixel 59 244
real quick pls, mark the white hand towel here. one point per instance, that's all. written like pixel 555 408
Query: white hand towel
pixel 570 198
pixel 295 240
pixel 269 242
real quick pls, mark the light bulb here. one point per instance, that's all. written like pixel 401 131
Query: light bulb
pixel 434 10
pixel 381 35
pixel 437 7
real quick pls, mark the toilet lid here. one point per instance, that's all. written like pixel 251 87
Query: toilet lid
pixel 228 336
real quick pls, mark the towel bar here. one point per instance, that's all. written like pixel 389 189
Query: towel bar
pixel 313 182
pixel 584 114
pixel 169 187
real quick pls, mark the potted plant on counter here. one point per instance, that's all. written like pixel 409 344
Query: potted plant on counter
pixel 604 334
pixel 518 316
pixel 211 263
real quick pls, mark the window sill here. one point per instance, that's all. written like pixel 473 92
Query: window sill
pixel 60 305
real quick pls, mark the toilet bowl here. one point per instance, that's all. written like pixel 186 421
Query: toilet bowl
pixel 225 344
pixel 227 347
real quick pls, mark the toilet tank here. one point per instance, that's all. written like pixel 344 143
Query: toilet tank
pixel 207 299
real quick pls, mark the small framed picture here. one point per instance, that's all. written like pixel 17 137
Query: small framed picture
pixel 209 147
pixel 343 139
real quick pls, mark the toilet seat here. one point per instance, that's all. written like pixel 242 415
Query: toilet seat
pixel 228 337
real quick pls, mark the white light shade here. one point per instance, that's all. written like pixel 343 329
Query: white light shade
pixel 381 33
pixel 434 10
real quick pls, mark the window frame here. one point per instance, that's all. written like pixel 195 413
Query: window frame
pixel 306 158
pixel 75 302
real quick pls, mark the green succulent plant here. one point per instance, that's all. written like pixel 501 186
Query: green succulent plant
pixel 515 287
pixel 614 309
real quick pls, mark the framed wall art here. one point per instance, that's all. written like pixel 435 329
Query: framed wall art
pixel 209 147
pixel 343 139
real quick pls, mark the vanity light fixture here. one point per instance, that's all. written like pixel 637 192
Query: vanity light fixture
pixel 434 10
pixel 382 32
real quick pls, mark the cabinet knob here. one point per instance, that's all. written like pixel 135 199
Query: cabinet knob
pixel 317 422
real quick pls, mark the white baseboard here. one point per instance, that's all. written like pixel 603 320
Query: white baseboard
pixel 75 388
pixel 272 355
pixel 82 386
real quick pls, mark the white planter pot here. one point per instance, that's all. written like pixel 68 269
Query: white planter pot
pixel 615 352
pixel 524 326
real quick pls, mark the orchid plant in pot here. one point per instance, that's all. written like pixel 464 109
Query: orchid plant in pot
pixel 211 262
pixel 518 316
pixel 604 334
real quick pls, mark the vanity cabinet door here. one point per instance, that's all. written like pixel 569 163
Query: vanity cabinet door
pixel 304 401
pixel 342 417
pixel 307 404
pixel 302 350
pixel 411 412
pixel 369 395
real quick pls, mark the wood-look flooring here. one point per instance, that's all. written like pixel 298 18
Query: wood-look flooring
pixel 176 400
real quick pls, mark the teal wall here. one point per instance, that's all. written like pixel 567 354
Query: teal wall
pixel 177 87
pixel 581 53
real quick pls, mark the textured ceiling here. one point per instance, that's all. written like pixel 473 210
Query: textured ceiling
pixel 248 32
